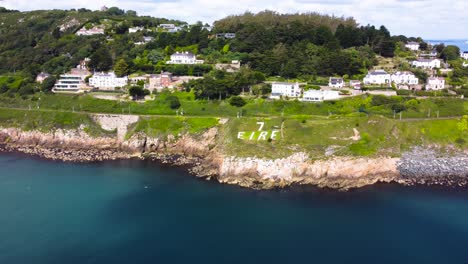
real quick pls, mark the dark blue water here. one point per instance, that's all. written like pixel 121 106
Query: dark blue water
pixel 138 212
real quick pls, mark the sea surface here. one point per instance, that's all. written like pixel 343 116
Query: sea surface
pixel 141 212
pixel 461 43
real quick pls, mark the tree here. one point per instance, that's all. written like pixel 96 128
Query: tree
pixel 101 60
pixel 48 84
pixel 237 101
pixel 450 53
pixel 56 33
pixel 173 102
pixel 137 92
pixel 121 68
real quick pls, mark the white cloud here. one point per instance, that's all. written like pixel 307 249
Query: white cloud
pixel 427 18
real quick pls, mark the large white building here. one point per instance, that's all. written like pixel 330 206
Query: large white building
pixel 285 89
pixel 184 58
pixel 70 83
pixel 426 63
pixel 404 77
pixel 435 83
pixel 320 96
pixel 107 81
pixel 414 46
pixel 377 77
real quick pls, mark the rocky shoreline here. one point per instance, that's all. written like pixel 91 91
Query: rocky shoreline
pixel 419 166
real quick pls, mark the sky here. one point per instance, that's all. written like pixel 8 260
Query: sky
pixel 429 19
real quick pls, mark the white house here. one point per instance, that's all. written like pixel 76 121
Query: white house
pixel 184 58
pixel 464 55
pixel 135 29
pixel 355 84
pixel 69 83
pixel 283 89
pixel 107 81
pixel 320 96
pixel 414 46
pixel 377 77
pixel 426 63
pixel 404 77
pixel 167 26
pixel 336 82
pixel 435 83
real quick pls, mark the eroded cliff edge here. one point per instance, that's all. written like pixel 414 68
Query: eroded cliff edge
pixel 205 153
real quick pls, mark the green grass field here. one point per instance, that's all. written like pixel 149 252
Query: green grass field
pixel 255 107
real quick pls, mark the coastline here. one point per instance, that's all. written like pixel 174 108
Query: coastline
pixel 419 166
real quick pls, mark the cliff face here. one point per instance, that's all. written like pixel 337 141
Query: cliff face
pixel 208 160
pixel 342 173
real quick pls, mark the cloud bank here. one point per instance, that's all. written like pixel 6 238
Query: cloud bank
pixel 430 19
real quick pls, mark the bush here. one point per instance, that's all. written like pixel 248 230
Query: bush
pixel 237 101
pixel 173 101
pixel 398 108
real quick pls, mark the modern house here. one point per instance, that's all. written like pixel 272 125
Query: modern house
pixel 184 58
pixel 42 76
pixel 320 96
pixel 285 89
pixel 69 83
pixel 145 41
pixel 426 63
pixel 404 77
pixel 107 81
pixel 234 66
pixel 435 83
pixel 377 77
pixel 414 46
pixel 464 55
pixel 171 28
pixel 96 30
pixel 355 84
pixel 336 82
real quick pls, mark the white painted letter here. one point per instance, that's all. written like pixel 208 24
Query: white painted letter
pixel 252 136
pixel 273 134
pixel 240 135
pixel 263 135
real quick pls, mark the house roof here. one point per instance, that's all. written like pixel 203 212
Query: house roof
pixel 334 80
pixel 285 83
pixel 412 43
pixel 403 73
pixel 426 60
pixel 378 72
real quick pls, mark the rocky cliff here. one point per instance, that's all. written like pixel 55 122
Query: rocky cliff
pixel 208 160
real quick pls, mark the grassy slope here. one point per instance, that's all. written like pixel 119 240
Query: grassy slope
pixel 379 136
pixel 164 126
pixel 48 121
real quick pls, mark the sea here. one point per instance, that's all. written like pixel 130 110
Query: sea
pixel 143 212
pixel 461 43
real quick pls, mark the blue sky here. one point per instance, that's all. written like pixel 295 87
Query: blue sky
pixel 430 19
